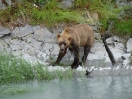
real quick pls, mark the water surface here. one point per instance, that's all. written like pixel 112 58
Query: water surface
pixel 99 87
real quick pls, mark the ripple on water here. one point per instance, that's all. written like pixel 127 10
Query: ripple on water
pixel 98 87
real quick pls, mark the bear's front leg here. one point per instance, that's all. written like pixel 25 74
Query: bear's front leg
pixel 60 56
pixel 75 63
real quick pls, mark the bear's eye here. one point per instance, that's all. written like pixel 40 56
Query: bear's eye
pixel 62 43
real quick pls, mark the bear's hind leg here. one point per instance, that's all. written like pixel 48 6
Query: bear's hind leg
pixel 86 52
pixel 75 63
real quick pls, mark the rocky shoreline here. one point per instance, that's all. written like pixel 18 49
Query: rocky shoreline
pixel 35 43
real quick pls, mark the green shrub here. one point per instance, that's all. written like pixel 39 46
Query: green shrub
pixel 14 70
pixel 81 4
pixel 49 14
pixel 123 27
pixel 51 17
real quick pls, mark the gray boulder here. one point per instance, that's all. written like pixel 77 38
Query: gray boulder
pixel 65 4
pixel 22 31
pixel 129 45
pixel 3 44
pixel 2 6
pixel 4 31
pixel 35 44
pixel 1 35
pixel 97 36
pixel 98 52
pixel 43 35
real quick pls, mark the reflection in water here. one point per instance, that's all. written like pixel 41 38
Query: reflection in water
pixel 104 87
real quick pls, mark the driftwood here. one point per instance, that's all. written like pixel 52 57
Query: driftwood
pixel 110 54
pixel 106 35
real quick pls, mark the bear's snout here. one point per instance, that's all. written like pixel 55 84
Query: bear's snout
pixel 62 48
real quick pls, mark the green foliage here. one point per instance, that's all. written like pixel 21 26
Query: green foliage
pixel 106 10
pixel 35 1
pixel 123 27
pixel 81 4
pixel 14 70
pixel 6 90
pixel 51 4
pixel 51 16
pixel 40 1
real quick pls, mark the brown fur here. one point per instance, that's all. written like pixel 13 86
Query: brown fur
pixel 75 37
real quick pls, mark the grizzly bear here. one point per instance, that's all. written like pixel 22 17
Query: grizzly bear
pixel 73 38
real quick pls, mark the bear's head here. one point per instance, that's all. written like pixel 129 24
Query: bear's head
pixel 63 41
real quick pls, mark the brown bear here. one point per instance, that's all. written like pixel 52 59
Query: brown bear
pixel 73 38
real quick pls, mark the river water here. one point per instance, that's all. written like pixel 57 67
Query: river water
pixel 99 87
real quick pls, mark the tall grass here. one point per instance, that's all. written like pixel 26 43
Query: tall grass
pixel 51 17
pixel 16 89
pixel 13 70
pixel 124 27
pixel 81 4
pixel 106 10
pixel 50 14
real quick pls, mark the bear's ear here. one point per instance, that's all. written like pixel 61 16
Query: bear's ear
pixel 69 38
pixel 58 35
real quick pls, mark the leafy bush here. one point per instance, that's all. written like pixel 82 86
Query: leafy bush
pixel 14 70
pixel 49 14
pixel 123 27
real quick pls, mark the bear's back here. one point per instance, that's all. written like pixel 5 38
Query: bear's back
pixel 85 33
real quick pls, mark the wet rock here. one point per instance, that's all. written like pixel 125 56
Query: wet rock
pixel 15 47
pixel 97 36
pixel 17 53
pixel 56 30
pixel 4 31
pixel 15 44
pixel 14 41
pixel 126 60
pixel 29 50
pixel 15 32
pixel 109 41
pixel 22 31
pixel 36 28
pixel 3 44
pixel 98 52
pixel 28 38
pixel 43 35
pixel 6 39
pixel 118 50
pixel 1 35
pixel 35 44
pixel 129 45
pixel 94 28
pixel 2 6
pixel 121 3
pixel 39 34
pixel 48 48
pixel 116 38
pixel 55 49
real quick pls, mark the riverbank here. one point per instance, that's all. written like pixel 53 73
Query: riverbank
pixel 38 44
pixel 20 37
